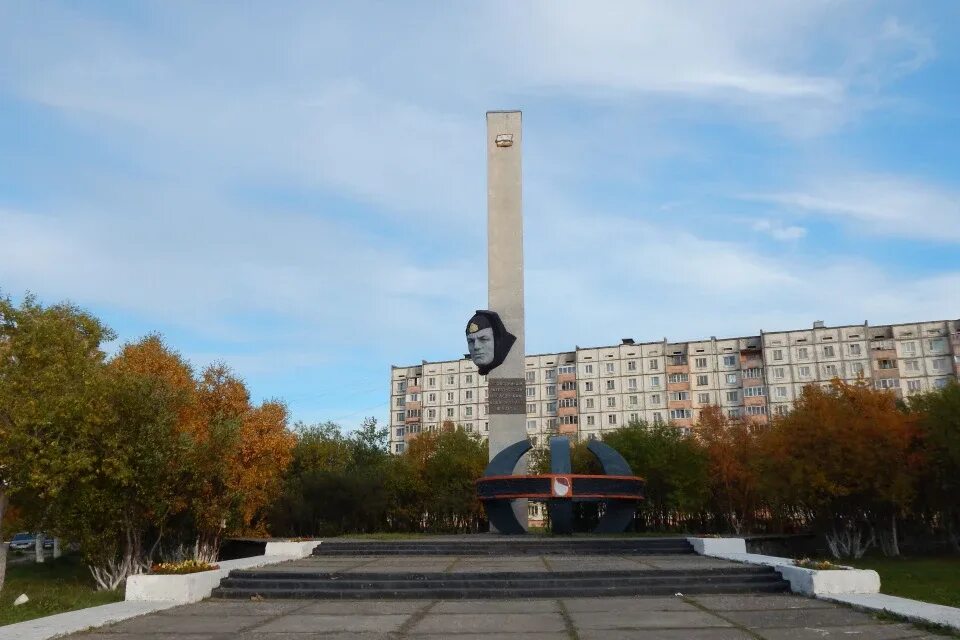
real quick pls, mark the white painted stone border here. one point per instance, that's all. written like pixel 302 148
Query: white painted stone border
pixel 148 593
pixel 914 610
pixel 811 582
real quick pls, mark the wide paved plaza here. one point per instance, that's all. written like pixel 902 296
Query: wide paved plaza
pixel 716 617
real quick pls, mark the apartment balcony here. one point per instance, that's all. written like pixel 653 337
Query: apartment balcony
pixel 678 386
pixel 754 401
pixel 568 411
pixel 885 372
pixel 882 345
pixel 414 389
pixel 678 368
pixel 412 420
pixel 566 394
pixel 413 404
pixel 567 429
pixel 566 377
pixel 679 404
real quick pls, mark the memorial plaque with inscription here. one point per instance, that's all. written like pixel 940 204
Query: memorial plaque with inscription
pixel 507 395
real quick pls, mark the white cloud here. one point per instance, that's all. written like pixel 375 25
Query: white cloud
pixel 879 204
pixel 778 231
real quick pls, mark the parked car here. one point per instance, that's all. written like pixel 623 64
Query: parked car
pixel 22 542
pixel 25 541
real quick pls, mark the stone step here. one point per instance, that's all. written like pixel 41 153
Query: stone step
pixel 586 547
pixel 322 585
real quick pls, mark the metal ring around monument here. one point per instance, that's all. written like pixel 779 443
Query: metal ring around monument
pixel 620 490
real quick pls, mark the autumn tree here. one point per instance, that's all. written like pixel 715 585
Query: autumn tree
pixel 843 456
pixel 731 449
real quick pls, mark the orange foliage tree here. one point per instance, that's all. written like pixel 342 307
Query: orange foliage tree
pixel 843 455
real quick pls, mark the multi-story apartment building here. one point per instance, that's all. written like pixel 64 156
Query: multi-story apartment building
pixel 584 392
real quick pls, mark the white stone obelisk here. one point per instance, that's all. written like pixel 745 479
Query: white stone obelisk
pixel 506 383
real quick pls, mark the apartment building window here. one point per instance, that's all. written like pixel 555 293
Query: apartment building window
pixel 760 410
pixel 568 386
pixel 431 397
pixel 828 351
pixel 609 367
pixel 678 359
pixel 753 392
pixel 468 395
pixel 830 370
pixel 591 421
pixel 702 381
pixel 703 398
pixel 468 411
pixel 753 372
pixel 634 417
pixel 700 363
pixel 414 397
pixel 734 412
pixel 451 379
pixel 778 373
pixel 804 372
pixel 551 374
pixel 531 407
pixel 612 403
pixel 631 365
pixel 531 392
pixel 909 348
pixel 887 364
pixel 468 427
pixel 679 395
pixel 729 361
pixel 400 415
pixel 398 448
pixel 568 402
pixel 567 369
pixel 781 409
pixel 657 417
pixel 431 413
pixel 484 394
pixel 588 403
pixel 733 396
pixel 913 385
pixel 939 364
pixel 551 389
pixel 569 419
pixel 937 344
pixel 655 398
pixel 531 376
pixel 856 368
pixel 450 412
pixel 551 407
pixel 633 400
pixel 940 383
pixel 678 377
pixel 611 385
pixel 611 419
pixel 803 353
pixel 778 354
pixel 911 365
pixel 886 383
pixel 731 378
pixel 781 392
pixel 681 414
pixel 483 409
pixel 401 387
pixel 449 396
pixel 399 401
pixel 588 368
pixel 431 382
pixel 654 382
pixel 854 349
pixel 654 364
pixel 632 383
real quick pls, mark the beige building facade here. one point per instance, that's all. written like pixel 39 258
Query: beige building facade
pixel 589 390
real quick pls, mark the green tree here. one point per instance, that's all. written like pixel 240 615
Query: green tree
pixel 53 400
pixel 938 417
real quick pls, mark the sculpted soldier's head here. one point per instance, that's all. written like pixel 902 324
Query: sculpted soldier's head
pixel 488 341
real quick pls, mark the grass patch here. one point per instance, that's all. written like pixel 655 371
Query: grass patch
pixel 931 579
pixel 53 587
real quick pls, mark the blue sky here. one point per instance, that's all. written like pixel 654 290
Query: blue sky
pixel 298 189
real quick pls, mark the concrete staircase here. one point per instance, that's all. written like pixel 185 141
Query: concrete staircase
pixel 445 586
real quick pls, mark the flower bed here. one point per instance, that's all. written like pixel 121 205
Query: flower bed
pixel 181 568
pixel 819 565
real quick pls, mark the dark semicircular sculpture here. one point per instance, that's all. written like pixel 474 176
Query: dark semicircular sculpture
pixel 619 489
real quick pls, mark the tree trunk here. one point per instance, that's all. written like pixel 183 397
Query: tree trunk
pixel 38 546
pixel 56 548
pixel 3 547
